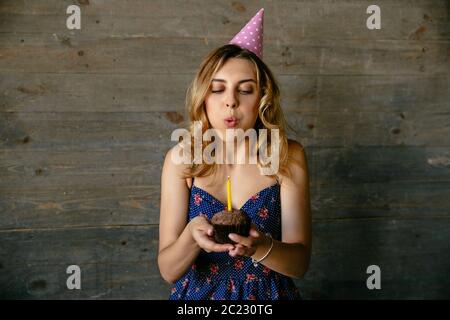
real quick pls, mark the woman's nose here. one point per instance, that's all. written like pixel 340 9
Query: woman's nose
pixel 231 101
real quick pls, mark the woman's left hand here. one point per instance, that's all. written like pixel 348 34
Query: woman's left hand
pixel 245 246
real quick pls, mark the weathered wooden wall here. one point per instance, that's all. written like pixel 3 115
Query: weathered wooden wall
pixel 86 117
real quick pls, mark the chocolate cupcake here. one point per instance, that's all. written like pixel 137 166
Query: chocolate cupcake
pixel 226 222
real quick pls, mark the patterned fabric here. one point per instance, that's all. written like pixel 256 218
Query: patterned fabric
pixel 219 276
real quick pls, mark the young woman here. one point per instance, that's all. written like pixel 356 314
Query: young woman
pixel 234 89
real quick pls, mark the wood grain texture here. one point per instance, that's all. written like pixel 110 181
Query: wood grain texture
pixel 120 262
pixel 401 20
pixel 35 53
pixel 73 188
pixel 115 263
pixel 53 92
pixel 86 118
pixel 412 254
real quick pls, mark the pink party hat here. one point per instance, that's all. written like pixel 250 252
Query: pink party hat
pixel 251 36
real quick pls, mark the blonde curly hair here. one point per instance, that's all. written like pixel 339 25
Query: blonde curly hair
pixel 270 114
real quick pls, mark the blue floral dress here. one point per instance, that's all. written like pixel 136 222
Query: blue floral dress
pixel 218 276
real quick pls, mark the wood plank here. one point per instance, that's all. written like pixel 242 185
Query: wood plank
pixel 64 207
pixel 53 92
pixel 66 169
pixel 378 181
pixel 380 164
pixel 98 130
pixel 328 166
pixel 120 262
pixel 35 53
pixel 347 20
pixel 401 94
pixel 375 200
pixel 80 170
pixel 121 244
pixel 116 263
pixel 346 128
pixel 46 207
pixel 99 281
pixel 424 20
pixel 108 187
pixel 414 257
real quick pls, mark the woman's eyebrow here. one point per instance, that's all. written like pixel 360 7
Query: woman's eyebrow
pixel 241 81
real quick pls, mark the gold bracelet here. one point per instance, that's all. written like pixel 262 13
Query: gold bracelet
pixel 255 262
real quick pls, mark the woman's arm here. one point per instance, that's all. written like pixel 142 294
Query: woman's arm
pixel 180 242
pixel 291 255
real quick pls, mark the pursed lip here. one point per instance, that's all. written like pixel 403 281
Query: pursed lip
pixel 231 122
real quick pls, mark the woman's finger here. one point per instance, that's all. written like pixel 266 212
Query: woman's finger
pixel 238 250
pixel 254 233
pixel 207 244
pixel 245 241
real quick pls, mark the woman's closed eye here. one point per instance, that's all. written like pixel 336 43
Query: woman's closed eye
pixel 241 91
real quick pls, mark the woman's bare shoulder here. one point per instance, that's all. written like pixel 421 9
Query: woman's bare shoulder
pixel 296 151
pixel 294 144
pixel 173 165
pixel 297 162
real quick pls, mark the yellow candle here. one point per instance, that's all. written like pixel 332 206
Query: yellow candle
pixel 229 193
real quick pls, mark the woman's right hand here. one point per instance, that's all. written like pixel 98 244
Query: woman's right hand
pixel 202 232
